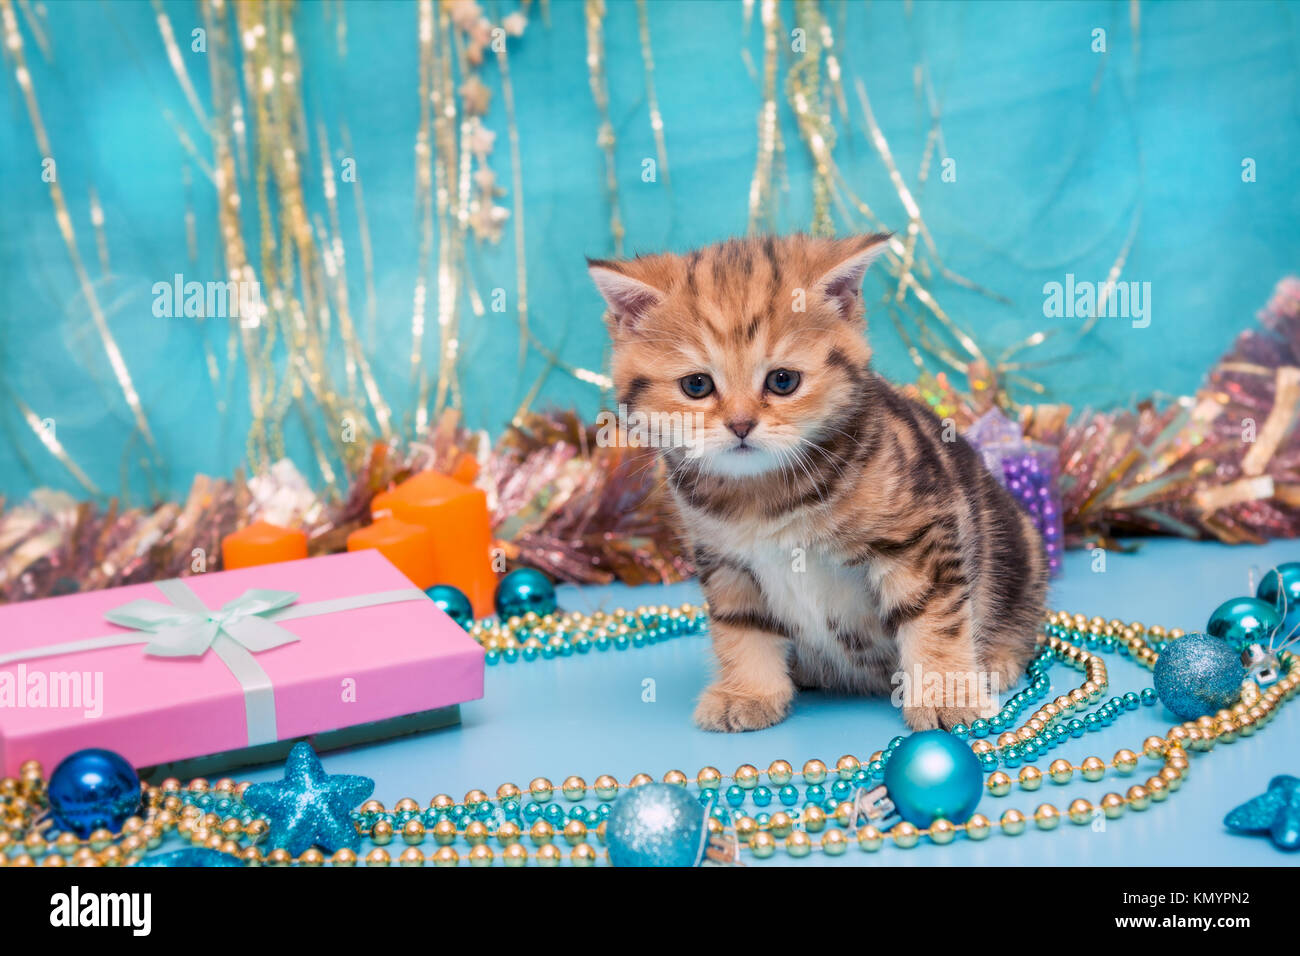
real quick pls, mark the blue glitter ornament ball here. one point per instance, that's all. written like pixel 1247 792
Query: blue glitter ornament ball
pixel 93 790
pixel 656 825
pixel 934 775
pixel 1198 675
pixel 1283 582
pixel 524 590
pixel 451 601
pixel 1242 621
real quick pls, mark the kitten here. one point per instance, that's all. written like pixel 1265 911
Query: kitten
pixel 841 536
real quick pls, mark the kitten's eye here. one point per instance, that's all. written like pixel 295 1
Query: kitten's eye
pixel 782 381
pixel 696 385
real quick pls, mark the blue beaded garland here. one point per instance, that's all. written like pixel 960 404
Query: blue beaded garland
pixel 92 790
pixel 660 627
pixel 524 590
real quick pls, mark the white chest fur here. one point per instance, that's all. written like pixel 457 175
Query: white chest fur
pixel 813 591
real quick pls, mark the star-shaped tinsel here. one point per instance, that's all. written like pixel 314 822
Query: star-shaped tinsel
pixel 310 807
pixel 1276 813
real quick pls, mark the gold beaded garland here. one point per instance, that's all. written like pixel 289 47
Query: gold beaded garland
pixel 1046 817
pixel 762 844
pixel 870 839
pixel 165 810
pixel 999 784
pixel 834 842
pixel 1080 811
pixel 942 832
pixel 905 835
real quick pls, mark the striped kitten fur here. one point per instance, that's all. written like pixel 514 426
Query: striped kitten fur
pixel 840 539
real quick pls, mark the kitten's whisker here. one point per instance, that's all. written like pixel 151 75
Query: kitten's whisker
pixel 800 460
pixel 831 460
pixel 786 475
pixel 848 435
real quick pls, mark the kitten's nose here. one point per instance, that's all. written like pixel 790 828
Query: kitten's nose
pixel 740 427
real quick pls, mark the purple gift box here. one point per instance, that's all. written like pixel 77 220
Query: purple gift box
pixel 1028 470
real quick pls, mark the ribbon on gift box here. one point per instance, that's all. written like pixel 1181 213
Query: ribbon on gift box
pixel 241 629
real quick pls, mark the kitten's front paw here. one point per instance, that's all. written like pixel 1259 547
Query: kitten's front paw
pixel 1008 671
pixel 921 718
pixel 931 718
pixel 726 710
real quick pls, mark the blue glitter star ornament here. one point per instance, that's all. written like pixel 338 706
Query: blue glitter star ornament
pixel 310 807
pixel 1276 813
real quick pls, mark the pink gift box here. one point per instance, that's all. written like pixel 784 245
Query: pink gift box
pixel 349 665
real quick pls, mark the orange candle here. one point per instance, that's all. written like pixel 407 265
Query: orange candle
pixel 408 546
pixel 262 543
pixel 379 506
pixel 456 514
pixel 466 469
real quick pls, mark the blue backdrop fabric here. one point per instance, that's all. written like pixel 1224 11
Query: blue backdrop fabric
pixel 1061 153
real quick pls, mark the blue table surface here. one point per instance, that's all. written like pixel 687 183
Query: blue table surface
pixel 586 715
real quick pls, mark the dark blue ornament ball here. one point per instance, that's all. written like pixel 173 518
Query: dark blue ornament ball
pixel 934 775
pixel 1198 675
pixel 524 590
pixel 1242 621
pixel 656 824
pixel 451 601
pixel 1282 581
pixel 93 790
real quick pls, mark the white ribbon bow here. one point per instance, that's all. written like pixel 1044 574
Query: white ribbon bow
pixel 182 632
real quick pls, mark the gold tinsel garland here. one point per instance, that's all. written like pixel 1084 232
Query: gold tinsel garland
pixel 273 238
pixel 1223 463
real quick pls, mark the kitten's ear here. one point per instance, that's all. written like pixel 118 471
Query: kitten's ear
pixel 629 299
pixel 842 282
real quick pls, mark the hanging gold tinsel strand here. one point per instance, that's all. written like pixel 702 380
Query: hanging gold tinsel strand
pixel 605 139
pixel 63 217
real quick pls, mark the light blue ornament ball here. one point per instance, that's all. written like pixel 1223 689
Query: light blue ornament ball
pixel 93 790
pixel 451 601
pixel 931 775
pixel 1242 621
pixel 524 590
pixel 1281 582
pixel 656 825
pixel 1198 675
